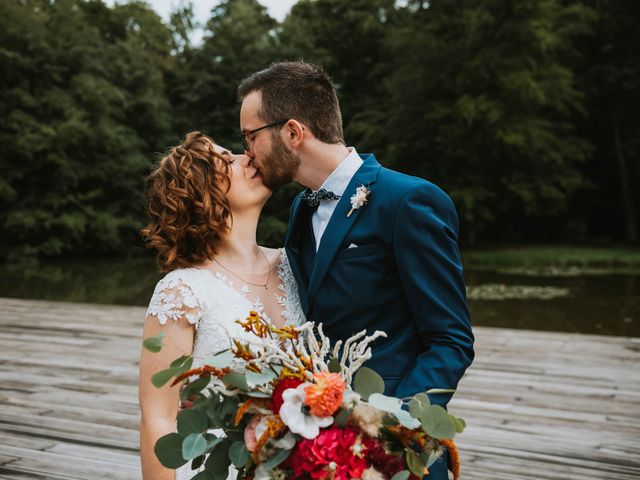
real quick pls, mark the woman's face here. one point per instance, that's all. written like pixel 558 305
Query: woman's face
pixel 247 190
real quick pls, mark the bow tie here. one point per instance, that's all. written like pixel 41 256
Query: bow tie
pixel 313 199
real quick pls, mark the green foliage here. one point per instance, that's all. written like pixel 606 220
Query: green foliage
pixel 523 111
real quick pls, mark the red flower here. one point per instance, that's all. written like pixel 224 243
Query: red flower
pixel 281 386
pixel 329 455
pixel 386 463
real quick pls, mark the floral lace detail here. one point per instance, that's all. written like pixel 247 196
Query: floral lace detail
pixel 174 299
pixel 290 300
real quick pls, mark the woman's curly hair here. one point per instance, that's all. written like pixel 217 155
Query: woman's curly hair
pixel 187 204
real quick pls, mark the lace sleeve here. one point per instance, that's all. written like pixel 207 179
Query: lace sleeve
pixel 173 299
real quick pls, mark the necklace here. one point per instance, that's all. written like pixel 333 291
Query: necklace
pixel 247 281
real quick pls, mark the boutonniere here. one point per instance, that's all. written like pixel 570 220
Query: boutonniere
pixel 360 198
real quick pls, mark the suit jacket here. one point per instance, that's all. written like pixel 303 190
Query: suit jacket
pixel 404 277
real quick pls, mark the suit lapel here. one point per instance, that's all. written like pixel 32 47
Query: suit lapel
pixel 339 224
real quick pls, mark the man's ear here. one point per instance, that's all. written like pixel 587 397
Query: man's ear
pixel 294 133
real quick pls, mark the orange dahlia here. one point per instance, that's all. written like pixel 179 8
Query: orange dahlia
pixel 324 396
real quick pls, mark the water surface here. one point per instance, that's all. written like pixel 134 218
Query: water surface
pixel 585 303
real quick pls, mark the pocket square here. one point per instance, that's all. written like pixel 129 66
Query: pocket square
pixel 353 245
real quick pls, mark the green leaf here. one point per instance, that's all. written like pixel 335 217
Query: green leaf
pixel 163 376
pixel 212 440
pixel 401 475
pixel 197 462
pixel 218 461
pixel 239 454
pixel 235 379
pixel 204 475
pixel 367 382
pixel 194 388
pixel 193 446
pixel 154 344
pixel 334 365
pixel 169 450
pixel 436 422
pixel 254 379
pixel 415 463
pixel 430 458
pixel 178 362
pixel 221 360
pixel 277 459
pixel 406 419
pixel 343 418
pixel 385 403
pixel 458 423
pixel 434 391
pixel 191 421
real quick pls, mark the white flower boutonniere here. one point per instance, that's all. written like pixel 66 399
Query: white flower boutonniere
pixel 360 198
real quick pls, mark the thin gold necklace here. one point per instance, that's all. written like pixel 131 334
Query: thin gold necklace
pixel 247 281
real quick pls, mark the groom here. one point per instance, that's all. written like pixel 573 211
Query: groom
pixel 371 248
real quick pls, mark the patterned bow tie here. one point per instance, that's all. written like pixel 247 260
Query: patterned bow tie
pixel 313 199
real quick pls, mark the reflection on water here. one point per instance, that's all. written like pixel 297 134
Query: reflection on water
pixel 605 304
pixel 602 304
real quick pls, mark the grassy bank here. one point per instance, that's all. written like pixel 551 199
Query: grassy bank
pixel 562 256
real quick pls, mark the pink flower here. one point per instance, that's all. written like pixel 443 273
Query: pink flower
pixel 250 436
pixel 334 454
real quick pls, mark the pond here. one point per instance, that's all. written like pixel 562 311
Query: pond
pixel 572 301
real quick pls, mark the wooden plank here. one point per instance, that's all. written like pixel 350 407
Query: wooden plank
pixel 538 405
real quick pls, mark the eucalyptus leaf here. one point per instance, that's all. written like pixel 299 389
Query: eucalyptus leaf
pixel 193 446
pixel 458 423
pixel 437 423
pixel 254 379
pixel 367 382
pixel 343 417
pixel 194 388
pixel 258 394
pixel 168 449
pixel 154 344
pixel 197 462
pixel 212 440
pixel 434 391
pixel 235 379
pixel 163 376
pixel 415 463
pixel 178 362
pixel 277 459
pixel 204 475
pixel 406 419
pixel 401 475
pixel 238 454
pixel 385 403
pixel 192 420
pixel 218 461
pixel 334 365
pixel 221 360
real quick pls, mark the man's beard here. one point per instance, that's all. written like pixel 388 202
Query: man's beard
pixel 280 165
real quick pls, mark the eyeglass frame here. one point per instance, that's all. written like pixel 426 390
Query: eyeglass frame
pixel 243 136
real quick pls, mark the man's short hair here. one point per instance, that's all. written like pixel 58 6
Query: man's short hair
pixel 299 91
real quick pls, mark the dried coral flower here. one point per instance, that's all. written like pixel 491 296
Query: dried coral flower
pixel 324 396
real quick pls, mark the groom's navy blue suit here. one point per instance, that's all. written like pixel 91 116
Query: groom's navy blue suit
pixel 404 277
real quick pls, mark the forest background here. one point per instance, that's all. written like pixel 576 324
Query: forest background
pixel 525 112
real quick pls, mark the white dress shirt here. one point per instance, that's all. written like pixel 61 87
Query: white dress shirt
pixel 337 183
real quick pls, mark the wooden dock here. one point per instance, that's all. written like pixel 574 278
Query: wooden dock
pixel 538 405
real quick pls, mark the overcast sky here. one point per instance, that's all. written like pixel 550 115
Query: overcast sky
pixel 277 8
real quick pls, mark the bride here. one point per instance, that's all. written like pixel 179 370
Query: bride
pixel 204 203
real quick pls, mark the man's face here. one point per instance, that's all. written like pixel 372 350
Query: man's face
pixel 277 164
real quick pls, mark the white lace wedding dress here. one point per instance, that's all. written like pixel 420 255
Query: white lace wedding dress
pixel 212 303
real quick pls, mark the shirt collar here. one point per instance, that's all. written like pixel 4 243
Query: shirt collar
pixel 339 179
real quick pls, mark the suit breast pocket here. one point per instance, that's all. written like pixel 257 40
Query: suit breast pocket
pixel 371 250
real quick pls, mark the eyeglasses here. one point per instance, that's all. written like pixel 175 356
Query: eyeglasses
pixel 245 136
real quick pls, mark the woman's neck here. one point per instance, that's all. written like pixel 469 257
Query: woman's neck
pixel 239 247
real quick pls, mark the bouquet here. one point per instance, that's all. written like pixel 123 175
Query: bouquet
pixel 292 406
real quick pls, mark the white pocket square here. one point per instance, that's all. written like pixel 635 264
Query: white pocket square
pixel 353 245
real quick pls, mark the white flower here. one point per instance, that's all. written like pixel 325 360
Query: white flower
pixel 350 399
pixel 360 197
pixel 294 415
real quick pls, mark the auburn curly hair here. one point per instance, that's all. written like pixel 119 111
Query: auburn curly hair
pixel 186 203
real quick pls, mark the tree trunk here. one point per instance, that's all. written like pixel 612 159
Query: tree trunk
pixel 626 195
